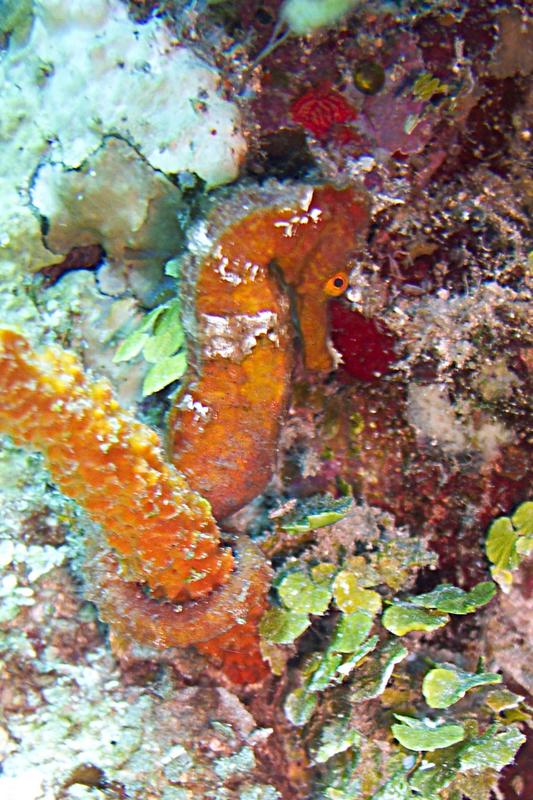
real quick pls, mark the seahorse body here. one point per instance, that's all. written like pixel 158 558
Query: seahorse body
pixel 162 532
pixel 224 436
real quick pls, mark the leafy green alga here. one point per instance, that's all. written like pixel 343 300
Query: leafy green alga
pixel 451 750
pixel 522 518
pixel 396 788
pixel 401 618
pixel 495 749
pixel 280 626
pixel 377 670
pixel 344 669
pixel 436 771
pixel 509 539
pixel 299 706
pixel 164 372
pixel 134 343
pixel 335 737
pixel 445 685
pixel 341 780
pixel 426 735
pixel 503 699
pixel 351 631
pixel 453 600
pixel 323 573
pixel 501 544
pixel 299 593
pixel 160 338
pixel 479 756
pixel 316 512
pixel 326 671
pixel 349 597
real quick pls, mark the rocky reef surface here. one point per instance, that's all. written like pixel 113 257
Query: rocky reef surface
pixel 265 367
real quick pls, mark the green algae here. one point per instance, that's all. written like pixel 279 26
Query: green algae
pixel 315 512
pixel 454 600
pixel 445 685
pixel 351 631
pixel 509 540
pixel 160 338
pixel 425 735
pixel 402 618
pixel 281 626
pixel 300 594
pixel 299 706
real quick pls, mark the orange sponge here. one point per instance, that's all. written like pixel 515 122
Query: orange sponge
pixel 163 532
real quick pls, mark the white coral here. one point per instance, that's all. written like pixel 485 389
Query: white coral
pixel 88 71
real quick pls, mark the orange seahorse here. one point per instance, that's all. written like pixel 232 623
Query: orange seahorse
pixel 223 435
pixel 162 533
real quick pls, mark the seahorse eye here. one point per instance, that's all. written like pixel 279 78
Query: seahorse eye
pixel 337 284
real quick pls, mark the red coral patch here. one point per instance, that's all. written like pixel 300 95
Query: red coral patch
pixel 366 346
pixel 319 109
